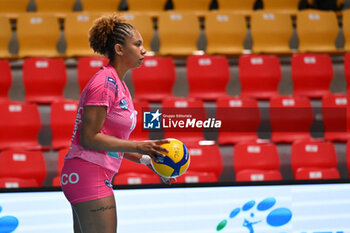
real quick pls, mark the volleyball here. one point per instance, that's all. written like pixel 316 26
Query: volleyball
pixel 176 161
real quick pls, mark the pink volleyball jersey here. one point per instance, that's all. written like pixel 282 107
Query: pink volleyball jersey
pixel 105 89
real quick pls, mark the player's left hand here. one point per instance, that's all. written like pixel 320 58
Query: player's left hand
pixel 165 180
pixel 168 181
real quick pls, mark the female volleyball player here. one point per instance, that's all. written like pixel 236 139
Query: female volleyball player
pixel 104 121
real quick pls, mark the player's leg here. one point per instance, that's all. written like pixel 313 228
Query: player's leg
pixel 76 224
pixel 97 215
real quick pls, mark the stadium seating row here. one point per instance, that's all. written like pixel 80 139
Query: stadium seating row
pixel 208 76
pixel 254 161
pixel 65 6
pixel 291 119
pixel 178 32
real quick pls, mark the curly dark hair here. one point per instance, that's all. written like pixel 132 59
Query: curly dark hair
pixel 107 31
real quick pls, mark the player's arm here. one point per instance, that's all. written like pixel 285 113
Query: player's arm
pixel 134 157
pixel 91 138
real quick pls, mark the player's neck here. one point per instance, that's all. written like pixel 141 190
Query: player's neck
pixel 120 70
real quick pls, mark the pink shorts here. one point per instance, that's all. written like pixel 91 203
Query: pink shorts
pixel 84 181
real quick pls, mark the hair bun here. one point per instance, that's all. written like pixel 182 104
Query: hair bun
pixel 101 30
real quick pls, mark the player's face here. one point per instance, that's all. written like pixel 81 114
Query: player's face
pixel 134 51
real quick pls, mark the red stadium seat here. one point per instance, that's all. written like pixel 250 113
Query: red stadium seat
pixel 128 166
pixel 5 80
pixel 312 74
pixel 183 106
pixel 60 159
pixel 19 126
pixel 207 76
pixel 135 173
pixel 291 118
pixel 44 79
pixel 240 119
pixel 155 79
pixel 56 181
pixel 197 177
pixel 23 164
pixel 336 117
pixel 316 173
pixel 63 115
pixel 259 76
pixel 347 71
pixel 313 154
pixel 348 157
pixel 255 156
pixel 258 175
pixel 17 183
pixel 140 134
pixel 205 159
pixel 87 67
pixel 136 178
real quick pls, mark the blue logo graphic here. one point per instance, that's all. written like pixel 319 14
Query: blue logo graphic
pixel 151 120
pixel 123 104
pixel 110 79
pixel 8 223
pixel 108 183
pixel 275 218
pixel 113 154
